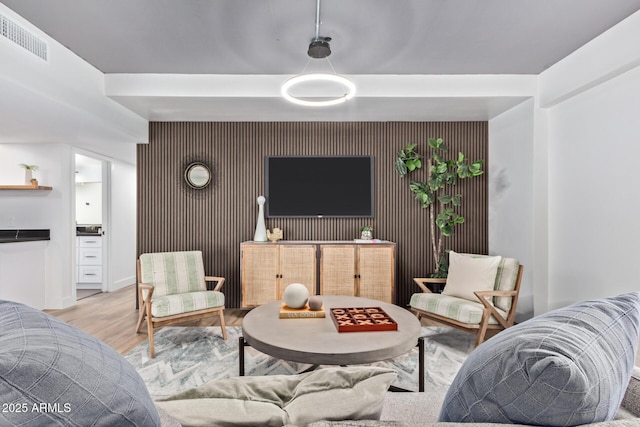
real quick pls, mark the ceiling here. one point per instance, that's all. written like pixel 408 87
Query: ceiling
pixel 369 37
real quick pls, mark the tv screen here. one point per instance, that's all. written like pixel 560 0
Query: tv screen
pixel 319 186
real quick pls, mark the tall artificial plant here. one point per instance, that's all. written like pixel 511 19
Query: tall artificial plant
pixel 436 193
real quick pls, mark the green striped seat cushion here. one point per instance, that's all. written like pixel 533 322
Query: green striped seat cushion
pixel 505 280
pixel 452 307
pixel 173 272
pixel 168 305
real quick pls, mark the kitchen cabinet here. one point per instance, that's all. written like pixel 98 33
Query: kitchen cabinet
pixel 89 261
pixel 22 272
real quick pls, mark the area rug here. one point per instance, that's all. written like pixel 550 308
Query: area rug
pixel 187 357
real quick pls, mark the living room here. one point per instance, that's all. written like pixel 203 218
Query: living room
pixel 555 197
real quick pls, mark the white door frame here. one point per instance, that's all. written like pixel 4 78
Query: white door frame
pixel 106 219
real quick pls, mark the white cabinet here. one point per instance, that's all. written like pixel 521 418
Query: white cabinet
pixel 89 261
pixel 22 273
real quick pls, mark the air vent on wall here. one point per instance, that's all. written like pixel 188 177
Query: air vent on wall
pixel 23 38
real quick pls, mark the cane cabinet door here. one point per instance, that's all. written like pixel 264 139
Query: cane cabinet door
pixel 297 265
pixel 259 269
pixel 376 270
pixel 338 270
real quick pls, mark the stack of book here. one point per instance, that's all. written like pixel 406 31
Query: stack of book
pixel 300 313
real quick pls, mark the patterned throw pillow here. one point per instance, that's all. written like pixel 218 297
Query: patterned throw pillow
pixel 52 373
pixel 566 367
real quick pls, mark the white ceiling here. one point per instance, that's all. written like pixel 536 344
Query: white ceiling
pixel 383 38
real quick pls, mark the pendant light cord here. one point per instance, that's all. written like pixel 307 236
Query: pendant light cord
pixel 317 20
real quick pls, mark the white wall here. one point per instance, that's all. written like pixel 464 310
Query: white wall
pixel 593 192
pixel 89 203
pixel 575 175
pixel 54 210
pixel 123 225
pixel 510 170
pixel 61 100
pixel 43 209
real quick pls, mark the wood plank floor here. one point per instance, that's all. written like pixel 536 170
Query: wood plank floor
pixel 112 317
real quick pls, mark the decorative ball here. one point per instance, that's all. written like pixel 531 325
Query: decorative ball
pixel 315 303
pixel 295 295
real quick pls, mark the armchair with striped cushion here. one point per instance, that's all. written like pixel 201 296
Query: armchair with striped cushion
pixel 489 306
pixel 172 288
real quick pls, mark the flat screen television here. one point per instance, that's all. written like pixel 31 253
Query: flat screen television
pixel 310 186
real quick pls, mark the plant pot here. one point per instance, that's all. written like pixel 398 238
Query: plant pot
pixel 366 234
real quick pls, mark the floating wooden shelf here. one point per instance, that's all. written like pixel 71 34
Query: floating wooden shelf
pixel 25 187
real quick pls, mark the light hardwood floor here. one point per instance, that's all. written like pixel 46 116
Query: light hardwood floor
pixel 111 317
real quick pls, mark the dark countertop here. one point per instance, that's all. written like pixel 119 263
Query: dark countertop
pixel 24 235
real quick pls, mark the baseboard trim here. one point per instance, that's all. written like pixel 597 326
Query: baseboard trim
pixel 123 283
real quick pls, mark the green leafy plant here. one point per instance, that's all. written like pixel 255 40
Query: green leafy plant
pixel 366 228
pixel 436 193
pixel 29 167
pixel 408 160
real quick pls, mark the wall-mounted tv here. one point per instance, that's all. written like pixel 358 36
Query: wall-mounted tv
pixel 316 186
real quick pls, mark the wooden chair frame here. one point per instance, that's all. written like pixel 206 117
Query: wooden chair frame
pixel 157 322
pixel 479 329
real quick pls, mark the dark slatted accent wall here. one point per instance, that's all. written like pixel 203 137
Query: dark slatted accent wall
pixel 172 216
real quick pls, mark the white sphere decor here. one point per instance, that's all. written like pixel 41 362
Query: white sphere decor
pixel 295 295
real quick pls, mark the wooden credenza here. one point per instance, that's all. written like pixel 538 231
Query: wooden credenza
pixel 325 267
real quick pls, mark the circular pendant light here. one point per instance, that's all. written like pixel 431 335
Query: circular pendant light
pixel 318 49
pixel 318 77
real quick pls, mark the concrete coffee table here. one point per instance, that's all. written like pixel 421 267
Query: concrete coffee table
pixel 316 340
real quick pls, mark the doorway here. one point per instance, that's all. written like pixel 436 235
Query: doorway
pixel 90 220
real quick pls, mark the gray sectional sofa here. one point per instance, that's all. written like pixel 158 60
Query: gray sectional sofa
pixel 420 410
pixel 560 369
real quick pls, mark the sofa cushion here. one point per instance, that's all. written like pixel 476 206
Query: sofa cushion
pixel 631 401
pixel 566 367
pixel 452 307
pixel 345 393
pixel 56 374
pixel 183 303
pixel 468 274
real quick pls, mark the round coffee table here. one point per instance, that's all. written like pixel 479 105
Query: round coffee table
pixel 318 342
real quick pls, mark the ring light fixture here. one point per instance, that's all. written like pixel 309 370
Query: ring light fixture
pixel 318 77
pixel 318 49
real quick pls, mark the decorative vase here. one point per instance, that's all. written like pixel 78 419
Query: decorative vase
pixel 366 234
pixel 28 175
pixel 261 230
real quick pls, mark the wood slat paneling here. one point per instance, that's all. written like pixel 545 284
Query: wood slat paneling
pixel 172 216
